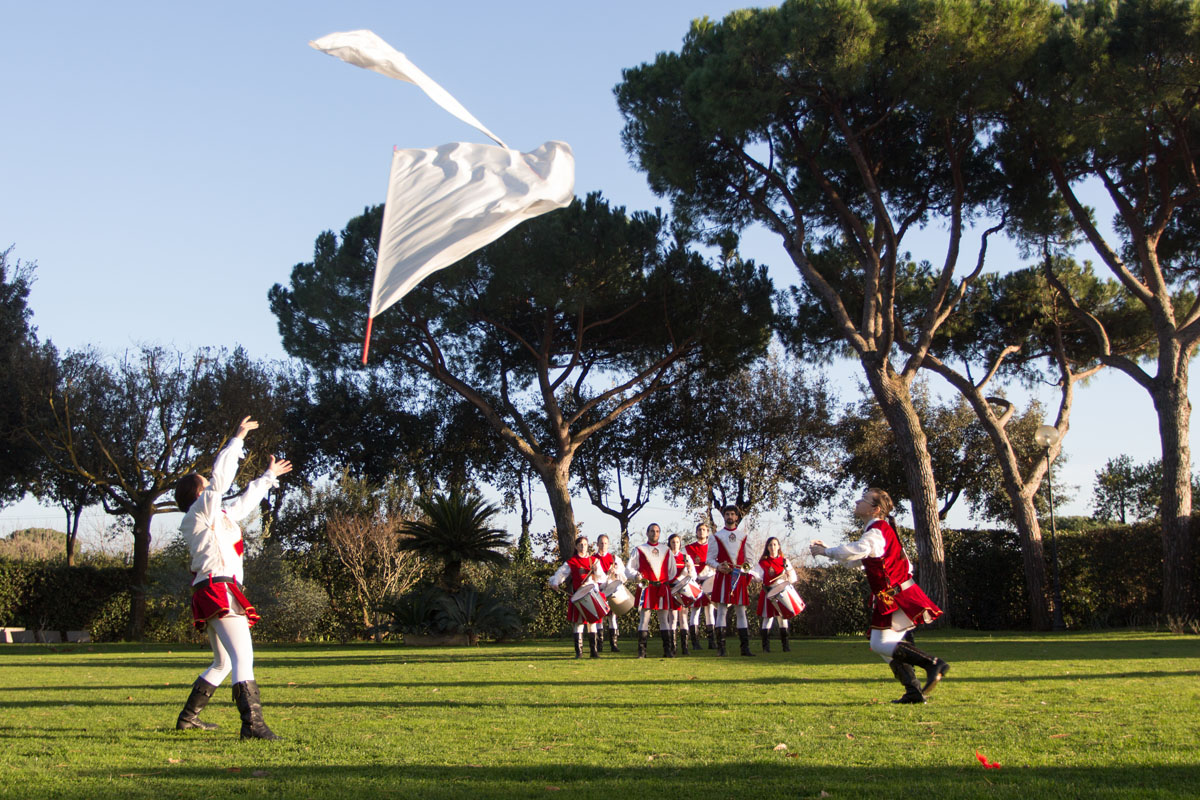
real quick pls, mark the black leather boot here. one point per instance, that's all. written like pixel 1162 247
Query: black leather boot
pixel 783 640
pixel 668 640
pixel 245 695
pixel 594 644
pixel 643 638
pixel 744 638
pixel 683 642
pixel 721 641
pixel 935 668
pixel 694 632
pixel 612 640
pixel 579 645
pixel 189 718
pixel 912 688
pixel 766 640
pixel 712 640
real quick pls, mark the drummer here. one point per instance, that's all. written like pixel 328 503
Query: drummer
pixel 731 586
pixel 678 613
pixel 773 570
pixel 614 570
pixel 649 562
pixel 698 550
pixel 581 569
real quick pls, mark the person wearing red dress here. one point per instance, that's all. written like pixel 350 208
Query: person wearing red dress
pixel 698 550
pixel 773 570
pixel 899 605
pixel 731 585
pixel 650 562
pixel 678 613
pixel 613 567
pixel 581 569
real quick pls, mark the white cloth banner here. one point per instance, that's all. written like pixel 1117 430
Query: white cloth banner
pixel 446 202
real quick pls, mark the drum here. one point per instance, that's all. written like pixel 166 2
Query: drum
pixel 590 603
pixel 706 585
pixel 785 600
pixel 619 598
pixel 687 591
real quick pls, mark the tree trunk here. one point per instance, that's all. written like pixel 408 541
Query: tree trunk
pixel 896 403
pixel 72 532
pixel 143 513
pixel 1174 421
pixel 555 474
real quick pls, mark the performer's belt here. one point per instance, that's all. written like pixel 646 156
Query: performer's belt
pixel 656 583
pixel 888 596
pixel 217 579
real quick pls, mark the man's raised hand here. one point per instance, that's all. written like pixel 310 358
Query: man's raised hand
pixel 245 427
pixel 278 467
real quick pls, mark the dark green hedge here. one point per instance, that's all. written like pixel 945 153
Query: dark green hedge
pixel 53 596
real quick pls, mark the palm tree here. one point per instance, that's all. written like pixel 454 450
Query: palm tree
pixel 455 529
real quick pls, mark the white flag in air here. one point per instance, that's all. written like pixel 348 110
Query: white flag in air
pixel 444 203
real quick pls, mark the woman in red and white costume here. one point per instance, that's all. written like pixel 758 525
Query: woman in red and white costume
pixel 613 568
pixel 698 550
pixel 731 586
pixel 678 614
pixel 581 569
pixel 899 604
pixel 773 570
pixel 650 562
pixel 218 604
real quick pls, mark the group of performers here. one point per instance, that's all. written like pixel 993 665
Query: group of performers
pixel 705 578
pixel 681 585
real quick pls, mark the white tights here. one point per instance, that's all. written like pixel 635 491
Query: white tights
pixel 666 620
pixel 592 627
pixel 232 650
pixel 769 622
pixel 612 622
pixel 708 615
pixel 884 641
pixel 723 617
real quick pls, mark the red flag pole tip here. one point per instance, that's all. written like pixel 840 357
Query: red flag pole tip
pixel 367 341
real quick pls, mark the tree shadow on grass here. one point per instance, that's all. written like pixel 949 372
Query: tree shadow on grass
pixel 667 776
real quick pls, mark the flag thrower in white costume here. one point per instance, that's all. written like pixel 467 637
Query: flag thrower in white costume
pixel 446 202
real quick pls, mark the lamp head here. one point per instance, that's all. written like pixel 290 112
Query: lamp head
pixel 1046 436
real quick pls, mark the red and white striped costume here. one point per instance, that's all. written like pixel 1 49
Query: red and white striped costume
pixel 772 572
pixel 579 570
pixel 650 563
pixel 730 549
pixel 699 556
pixel 683 566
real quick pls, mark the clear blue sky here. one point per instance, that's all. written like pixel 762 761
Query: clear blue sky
pixel 165 164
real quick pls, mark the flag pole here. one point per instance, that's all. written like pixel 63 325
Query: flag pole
pixel 367 341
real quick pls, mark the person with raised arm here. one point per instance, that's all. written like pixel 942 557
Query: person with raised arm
pixel 219 604
pixel 899 605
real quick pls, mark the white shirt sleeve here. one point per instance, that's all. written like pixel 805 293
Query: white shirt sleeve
pixel 561 575
pixel 869 545
pixel 631 569
pixel 247 502
pixel 710 558
pixel 691 565
pixel 756 571
pixel 791 572
pixel 224 471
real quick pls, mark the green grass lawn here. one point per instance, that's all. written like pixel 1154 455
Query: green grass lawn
pixel 1113 714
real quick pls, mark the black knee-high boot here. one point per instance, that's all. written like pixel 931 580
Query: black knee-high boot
pixel 935 668
pixel 744 638
pixel 694 632
pixel 245 695
pixel 721 640
pixel 594 644
pixel 683 642
pixel 712 640
pixel 579 645
pixel 766 640
pixel 643 638
pixel 783 640
pixel 613 633
pixel 668 640
pixel 202 690
pixel 912 687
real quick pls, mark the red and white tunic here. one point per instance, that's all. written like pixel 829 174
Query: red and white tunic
pixel 731 588
pixel 579 571
pixel 889 574
pixel 650 563
pixel 607 561
pixel 772 572
pixel 683 566
pixel 215 541
pixel 699 556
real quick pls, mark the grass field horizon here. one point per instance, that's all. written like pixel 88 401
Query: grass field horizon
pixel 1098 714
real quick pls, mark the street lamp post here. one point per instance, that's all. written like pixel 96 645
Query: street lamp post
pixel 1046 437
